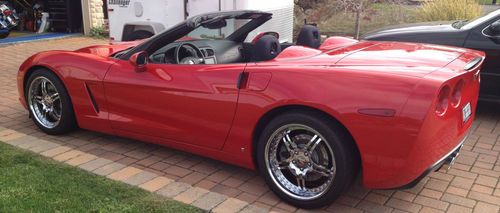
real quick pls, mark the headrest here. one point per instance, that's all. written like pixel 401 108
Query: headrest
pixel 309 36
pixel 266 48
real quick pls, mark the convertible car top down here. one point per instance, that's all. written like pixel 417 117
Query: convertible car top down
pixel 308 116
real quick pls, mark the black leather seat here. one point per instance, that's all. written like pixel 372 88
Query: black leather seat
pixel 309 36
pixel 266 48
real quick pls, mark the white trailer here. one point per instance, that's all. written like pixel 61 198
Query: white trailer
pixel 136 19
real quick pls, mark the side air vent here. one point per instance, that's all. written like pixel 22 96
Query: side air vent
pixel 94 103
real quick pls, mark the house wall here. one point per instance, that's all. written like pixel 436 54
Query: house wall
pixel 93 14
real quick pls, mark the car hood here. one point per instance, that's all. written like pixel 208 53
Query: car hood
pixel 413 28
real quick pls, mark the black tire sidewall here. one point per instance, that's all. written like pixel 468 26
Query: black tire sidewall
pixel 68 121
pixel 338 140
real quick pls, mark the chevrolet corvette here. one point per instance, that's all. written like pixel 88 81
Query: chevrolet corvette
pixel 308 116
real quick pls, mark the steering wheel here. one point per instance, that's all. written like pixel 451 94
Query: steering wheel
pixel 196 54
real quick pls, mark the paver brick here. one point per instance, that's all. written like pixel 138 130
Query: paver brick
pixel 108 169
pixel 84 158
pixel 482 207
pixel 94 164
pixel 140 178
pixel 190 195
pixel 254 209
pixel 455 199
pixel 403 205
pixel 459 209
pixel 124 173
pixel 173 189
pixel 430 202
pixel 230 205
pixel 67 155
pixel 156 183
pixel 209 201
pixel 55 151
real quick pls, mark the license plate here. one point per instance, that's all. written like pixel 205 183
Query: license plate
pixel 466 112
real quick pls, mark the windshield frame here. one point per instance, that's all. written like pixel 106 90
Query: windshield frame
pixel 182 29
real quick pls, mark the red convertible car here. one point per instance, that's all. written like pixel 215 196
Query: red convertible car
pixel 308 116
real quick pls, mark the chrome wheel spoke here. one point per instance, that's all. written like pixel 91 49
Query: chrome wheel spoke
pixel 43 87
pixel 38 99
pixel 322 170
pixel 301 182
pixel 285 164
pixel 54 97
pixel 289 144
pixel 311 145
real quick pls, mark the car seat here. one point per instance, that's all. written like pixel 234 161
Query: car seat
pixel 309 36
pixel 266 48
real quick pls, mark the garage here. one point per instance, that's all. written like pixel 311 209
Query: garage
pixel 42 19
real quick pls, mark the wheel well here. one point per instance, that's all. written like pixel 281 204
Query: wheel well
pixel 30 72
pixel 266 118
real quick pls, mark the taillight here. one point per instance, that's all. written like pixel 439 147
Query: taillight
pixel 456 95
pixel 7 13
pixel 443 100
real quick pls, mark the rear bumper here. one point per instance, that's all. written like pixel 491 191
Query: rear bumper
pixel 448 160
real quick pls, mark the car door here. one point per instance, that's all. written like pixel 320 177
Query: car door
pixel 192 104
pixel 490 74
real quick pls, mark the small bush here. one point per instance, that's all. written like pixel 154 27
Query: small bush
pixel 445 10
pixel 99 32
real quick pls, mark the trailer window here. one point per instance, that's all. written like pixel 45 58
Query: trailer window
pixel 218 34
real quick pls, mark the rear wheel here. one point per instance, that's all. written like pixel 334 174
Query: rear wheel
pixel 49 103
pixel 306 160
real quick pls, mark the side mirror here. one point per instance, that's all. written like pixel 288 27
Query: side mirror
pixel 139 61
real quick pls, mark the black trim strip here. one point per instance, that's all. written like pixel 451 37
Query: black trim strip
pixel 92 100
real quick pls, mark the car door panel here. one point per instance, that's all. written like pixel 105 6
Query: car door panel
pixel 187 103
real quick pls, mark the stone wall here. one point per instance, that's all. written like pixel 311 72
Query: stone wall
pixel 96 13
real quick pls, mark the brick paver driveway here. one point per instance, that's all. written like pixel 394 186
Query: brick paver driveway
pixel 471 185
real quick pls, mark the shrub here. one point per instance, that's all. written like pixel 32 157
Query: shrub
pixel 445 10
pixel 99 32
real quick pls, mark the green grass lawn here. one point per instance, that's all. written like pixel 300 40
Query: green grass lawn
pixel 32 183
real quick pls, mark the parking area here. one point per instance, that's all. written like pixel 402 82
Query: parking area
pixel 471 185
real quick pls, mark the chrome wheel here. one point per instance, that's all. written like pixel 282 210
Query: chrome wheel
pixel 44 102
pixel 300 161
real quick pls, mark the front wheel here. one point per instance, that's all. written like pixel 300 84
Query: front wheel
pixel 306 160
pixel 49 103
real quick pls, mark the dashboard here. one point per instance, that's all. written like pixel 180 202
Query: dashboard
pixel 213 51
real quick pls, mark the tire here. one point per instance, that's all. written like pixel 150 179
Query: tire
pixel 323 184
pixel 4 34
pixel 52 115
pixel 140 34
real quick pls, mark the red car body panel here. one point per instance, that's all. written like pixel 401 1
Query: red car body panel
pixel 383 93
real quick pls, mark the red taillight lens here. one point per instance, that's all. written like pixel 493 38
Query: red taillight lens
pixel 443 100
pixel 456 95
pixel 7 13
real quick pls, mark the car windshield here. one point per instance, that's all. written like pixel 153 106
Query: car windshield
pixel 466 24
pixel 218 33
